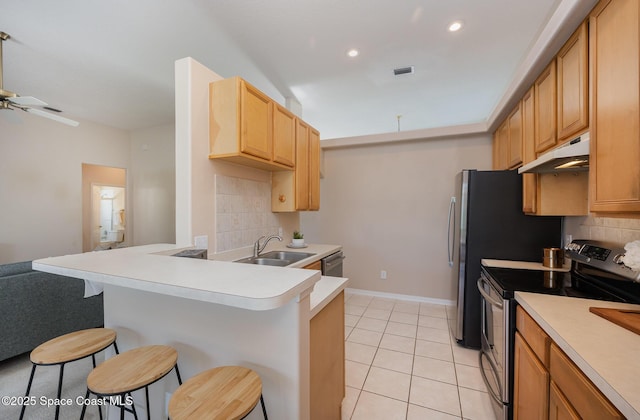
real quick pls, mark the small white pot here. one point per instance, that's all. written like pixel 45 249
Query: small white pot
pixel 297 242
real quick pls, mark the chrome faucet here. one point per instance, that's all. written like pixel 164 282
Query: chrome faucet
pixel 257 249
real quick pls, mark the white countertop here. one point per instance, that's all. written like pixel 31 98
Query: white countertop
pixel 149 268
pixel 522 265
pixel 608 354
pixel 324 291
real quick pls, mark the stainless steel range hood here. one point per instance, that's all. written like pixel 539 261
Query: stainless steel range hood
pixel 570 157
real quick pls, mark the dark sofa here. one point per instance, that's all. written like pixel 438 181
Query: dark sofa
pixel 37 306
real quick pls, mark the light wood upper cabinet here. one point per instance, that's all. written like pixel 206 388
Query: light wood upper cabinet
pixel 515 137
pixel 545 109
pixel 302 175
pixel 241 126
pixel 256 136
pixel 573 84
pixel 614 50
pixel 314 169
pixel 284 136
pixel 507 142
pixel 501 147
pixel 529 181
pixel 299 190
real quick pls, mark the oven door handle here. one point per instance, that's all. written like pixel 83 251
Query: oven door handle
pixel 483 373
pixel 486 295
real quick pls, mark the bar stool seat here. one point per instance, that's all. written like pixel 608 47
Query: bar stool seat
pixel 68 348
pixel 225 392
pixel 130 371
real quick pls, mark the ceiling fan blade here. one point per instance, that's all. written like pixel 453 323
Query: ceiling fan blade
pixel 27 101
pixel 53 117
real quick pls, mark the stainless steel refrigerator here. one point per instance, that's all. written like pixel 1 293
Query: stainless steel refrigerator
pixel 486 221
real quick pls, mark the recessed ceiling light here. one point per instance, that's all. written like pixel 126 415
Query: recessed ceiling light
pixel 455 26
pixel 353 52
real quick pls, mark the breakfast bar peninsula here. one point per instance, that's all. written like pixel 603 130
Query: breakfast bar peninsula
pixel 213 313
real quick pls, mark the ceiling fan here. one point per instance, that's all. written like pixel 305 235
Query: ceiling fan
pixel 11 101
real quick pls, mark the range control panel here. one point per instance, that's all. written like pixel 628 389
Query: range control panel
pixel 606 256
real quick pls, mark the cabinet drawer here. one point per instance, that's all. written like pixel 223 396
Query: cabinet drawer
pixel 583 396
pixel 537 339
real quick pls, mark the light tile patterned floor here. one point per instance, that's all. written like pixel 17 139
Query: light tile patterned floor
pixel 402 363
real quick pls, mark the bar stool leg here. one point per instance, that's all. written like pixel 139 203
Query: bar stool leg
pixel 33 372
pixel 84 405
pixel 264 410
pixel 59 390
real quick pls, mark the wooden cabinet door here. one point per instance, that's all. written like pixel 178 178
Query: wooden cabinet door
pixel 302 166
pixel 529 181
pixel 255 122
pixel 327 365
pixel 501 146
pixel 583 396
pixel 559 407
pixel 615 106
pixel 573 78
pixel 515 138
pixel 314 169
pixel 531 384
pixel 545 109
pixel 284 136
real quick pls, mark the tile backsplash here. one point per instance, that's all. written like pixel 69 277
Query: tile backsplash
pixel 243 212
pixel 611 229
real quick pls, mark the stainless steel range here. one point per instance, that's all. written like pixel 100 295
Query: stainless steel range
pixel 596 273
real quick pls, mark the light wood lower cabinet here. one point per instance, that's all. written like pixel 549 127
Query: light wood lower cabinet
pixel 314 266
pixel 580 393
pixel 531 384
pixel 547 384
pixel 327 361
pixel 559 407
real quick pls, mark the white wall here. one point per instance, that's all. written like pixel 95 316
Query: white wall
pixel 152 178
pixel 387 205
pixel 41 179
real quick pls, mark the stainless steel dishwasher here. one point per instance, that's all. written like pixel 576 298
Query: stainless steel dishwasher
pixel 332 264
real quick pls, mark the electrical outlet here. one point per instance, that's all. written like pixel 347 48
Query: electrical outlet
pixel 280 231
pixel 383 274
pixel 201 242
pixel 568 239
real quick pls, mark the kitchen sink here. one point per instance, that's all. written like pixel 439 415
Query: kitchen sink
pixel 277 258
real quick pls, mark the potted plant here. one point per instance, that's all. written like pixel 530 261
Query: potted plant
pixel 298 239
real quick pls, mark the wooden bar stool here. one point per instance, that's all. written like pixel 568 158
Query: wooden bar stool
pixel 68 348
pixel 225 393
pixel 130 371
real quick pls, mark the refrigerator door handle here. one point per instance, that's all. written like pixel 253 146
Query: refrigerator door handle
pixel 450 233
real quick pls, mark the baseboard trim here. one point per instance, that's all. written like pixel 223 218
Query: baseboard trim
pixel 398 296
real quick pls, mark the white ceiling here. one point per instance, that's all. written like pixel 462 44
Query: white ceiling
pixel 112 61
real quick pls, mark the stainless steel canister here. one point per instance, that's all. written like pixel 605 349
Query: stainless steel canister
pixel 553 257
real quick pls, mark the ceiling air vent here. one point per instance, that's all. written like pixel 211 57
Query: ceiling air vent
pixel 403 70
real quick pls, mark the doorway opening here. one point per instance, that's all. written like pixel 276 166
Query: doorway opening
pixel 103 207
